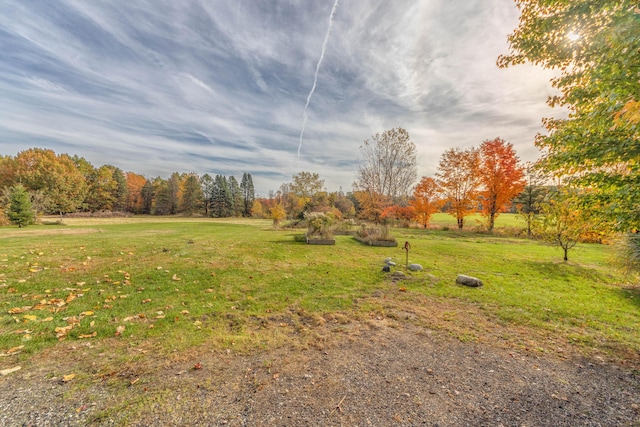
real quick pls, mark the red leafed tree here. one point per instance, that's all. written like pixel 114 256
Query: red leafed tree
pixel 459 182
pixel 501 175
pixel 426 200
pixel 396 212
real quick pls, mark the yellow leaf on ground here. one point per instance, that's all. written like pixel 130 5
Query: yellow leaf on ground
pixel 91 335
pixel 175 277
pixel 119 330
pixel 14 349
pixel 67 378
pixel 86 313
pixel 30 317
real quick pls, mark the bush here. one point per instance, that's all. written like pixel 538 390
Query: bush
pixel 629 248
pixel 319 225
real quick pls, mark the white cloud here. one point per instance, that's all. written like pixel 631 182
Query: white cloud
pixel 220 87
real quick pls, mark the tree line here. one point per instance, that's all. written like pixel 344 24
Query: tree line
pixel 39 181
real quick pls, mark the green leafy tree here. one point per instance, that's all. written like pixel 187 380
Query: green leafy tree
pixel 565 222
pixel 595 47
pixel 102 190
pixel 529 202
pixel 20 212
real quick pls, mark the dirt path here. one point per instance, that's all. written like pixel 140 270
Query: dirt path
pixel 375 374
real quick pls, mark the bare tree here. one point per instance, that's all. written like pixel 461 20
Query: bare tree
pixel 389 169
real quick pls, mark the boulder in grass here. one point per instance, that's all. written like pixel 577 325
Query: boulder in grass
pixel 415 267
pixel 472 282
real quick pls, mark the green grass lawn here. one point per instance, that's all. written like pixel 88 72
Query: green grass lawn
pixel 186 282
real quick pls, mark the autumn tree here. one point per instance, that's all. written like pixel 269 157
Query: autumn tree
pixel 565 221
pixel 459 182
pixel 56 175
pixel 388 171
pixel 135 184
pixel 278 214
pixel 426 200
pixel 595 48
pixel 501 177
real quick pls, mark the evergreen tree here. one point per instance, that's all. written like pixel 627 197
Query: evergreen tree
pixel 147 193
pixel 20 212
pixel 207 184
pixel 248 194
pixel 121 191
pixel 192 195
pixel 221 206
pixel 235 193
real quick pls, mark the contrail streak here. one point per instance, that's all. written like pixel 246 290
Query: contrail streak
pixel 315 77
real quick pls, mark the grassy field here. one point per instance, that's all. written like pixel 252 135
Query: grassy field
pixel 182 283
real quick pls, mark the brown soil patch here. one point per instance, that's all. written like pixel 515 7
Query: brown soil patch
pixel 381 370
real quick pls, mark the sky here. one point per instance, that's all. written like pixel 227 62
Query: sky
pixel 266 87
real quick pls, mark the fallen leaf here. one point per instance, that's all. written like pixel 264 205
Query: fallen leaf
pixel 30 317
pixel 91 335
pixel 67 378
pixel 17 310
pixel 86 313
pixel 198 366
pixel 11 351
pixel 62 332
pixel 175 277
pixel 119 330
pixel 145 301
pixel 184 312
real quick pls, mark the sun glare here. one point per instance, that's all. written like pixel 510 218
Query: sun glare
pixel 573 36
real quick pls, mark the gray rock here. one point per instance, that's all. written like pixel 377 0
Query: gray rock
pixel 473 282
pixel 415 267
pixel 391 263
pixel 387 260
pixel 386 269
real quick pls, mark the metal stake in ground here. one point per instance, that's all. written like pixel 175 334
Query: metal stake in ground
pixel 406 248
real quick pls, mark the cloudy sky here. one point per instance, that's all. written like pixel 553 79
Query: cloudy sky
pixel 221 86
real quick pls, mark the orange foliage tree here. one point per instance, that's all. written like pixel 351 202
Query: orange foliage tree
pixel 135 183
pixel 459 182
pixel 426 200
pixel 501 175
pixel 395 212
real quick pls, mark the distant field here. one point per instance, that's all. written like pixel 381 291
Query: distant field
pixel 182 282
